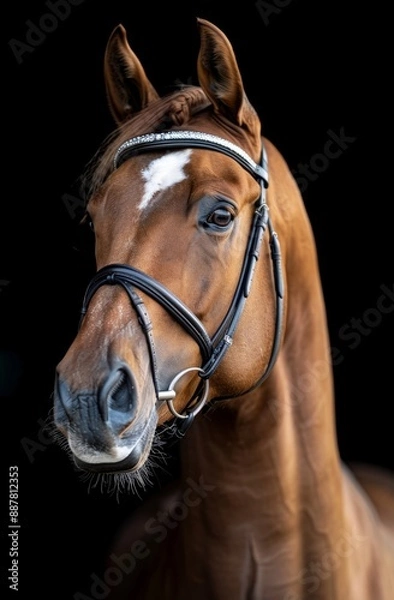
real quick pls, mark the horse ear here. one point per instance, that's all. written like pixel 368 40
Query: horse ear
pixel 128 88
pixel 218 73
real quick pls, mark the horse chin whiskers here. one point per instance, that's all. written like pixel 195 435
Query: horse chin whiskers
pixel 125 482
pixel 54 433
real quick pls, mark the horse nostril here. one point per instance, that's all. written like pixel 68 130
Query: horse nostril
pixel 117 397
pixel 121 396
pixel 63 401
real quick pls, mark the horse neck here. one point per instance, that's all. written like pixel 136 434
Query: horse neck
pixel 277 443
pixel 271 457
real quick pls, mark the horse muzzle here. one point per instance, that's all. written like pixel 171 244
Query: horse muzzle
pixel 105 429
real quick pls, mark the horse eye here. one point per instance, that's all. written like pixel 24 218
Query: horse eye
pixel 221 217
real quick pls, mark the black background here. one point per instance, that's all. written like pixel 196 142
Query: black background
pixel 310 68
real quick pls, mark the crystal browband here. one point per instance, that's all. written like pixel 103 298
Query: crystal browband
pixel 193 139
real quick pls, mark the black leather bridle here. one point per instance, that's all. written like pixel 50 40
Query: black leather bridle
pixel 212 349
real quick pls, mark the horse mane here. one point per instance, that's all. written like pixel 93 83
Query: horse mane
pixel 174 109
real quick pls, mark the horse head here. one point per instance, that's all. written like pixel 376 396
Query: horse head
pixel 171 321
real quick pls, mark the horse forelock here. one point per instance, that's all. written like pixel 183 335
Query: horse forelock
pixel 176 109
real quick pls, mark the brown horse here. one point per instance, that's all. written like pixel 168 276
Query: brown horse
pixel 198 319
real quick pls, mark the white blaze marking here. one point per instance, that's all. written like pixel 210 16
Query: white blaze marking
pixel 162 173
